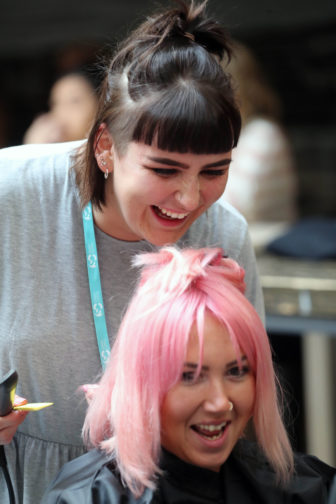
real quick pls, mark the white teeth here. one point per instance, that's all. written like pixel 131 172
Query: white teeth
pixel 216 436
pixel 212 428
pixel 173 215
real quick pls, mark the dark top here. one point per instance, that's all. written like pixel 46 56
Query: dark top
pixel 245 478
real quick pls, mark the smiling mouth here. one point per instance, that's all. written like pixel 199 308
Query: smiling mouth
pixel 167 214
pixel 209 431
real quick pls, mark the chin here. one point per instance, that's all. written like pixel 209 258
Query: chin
pixel 214 465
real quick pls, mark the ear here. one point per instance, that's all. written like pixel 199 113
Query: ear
pixel 104 149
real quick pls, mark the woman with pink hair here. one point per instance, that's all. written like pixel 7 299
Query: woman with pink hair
pixel 191 366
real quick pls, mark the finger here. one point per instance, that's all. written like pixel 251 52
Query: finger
pixel 7 435
pixel 9 425
pixel 15 418
pixel 18 400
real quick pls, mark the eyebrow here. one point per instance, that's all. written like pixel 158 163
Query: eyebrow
pixel 192 365
pixel 172 162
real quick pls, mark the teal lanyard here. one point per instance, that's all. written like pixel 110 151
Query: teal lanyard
pixel 95 285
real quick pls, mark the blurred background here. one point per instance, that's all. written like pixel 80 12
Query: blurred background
pixel 295 44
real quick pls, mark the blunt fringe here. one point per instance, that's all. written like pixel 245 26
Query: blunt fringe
pixel 165 85
pixel 175 291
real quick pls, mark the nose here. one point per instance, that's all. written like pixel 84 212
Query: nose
pixel 217 399
pixel 188 193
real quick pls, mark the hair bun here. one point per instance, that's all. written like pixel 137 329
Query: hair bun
pixel 172 271
pixel 186 21
pixel 207 32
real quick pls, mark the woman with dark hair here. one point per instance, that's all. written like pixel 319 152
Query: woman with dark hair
pixel 190 367
pixel 154 164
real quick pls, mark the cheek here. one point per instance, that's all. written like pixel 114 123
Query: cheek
pixel 157 188
pixel 243 397
pixel 214 189
pixel 128 179
pixel 84 113
pixel 171 411
pixel 246 399
pixel 177 408
pixel 143 191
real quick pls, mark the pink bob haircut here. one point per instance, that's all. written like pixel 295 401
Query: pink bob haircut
pixel 176 289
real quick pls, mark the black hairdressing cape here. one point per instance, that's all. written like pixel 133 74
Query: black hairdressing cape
pixel 245 478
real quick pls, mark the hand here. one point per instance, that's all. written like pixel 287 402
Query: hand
pixel 10 423
pixel 44 129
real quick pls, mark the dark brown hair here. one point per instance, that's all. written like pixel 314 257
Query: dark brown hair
pixel 165 84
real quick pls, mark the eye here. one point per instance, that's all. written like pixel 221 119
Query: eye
pixel 188 376
pixel 192 377
pixel 164 172
pixel 238 371
pixel 214 173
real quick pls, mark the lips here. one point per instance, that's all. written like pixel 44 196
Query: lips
pixel 211 432
pixel 168 214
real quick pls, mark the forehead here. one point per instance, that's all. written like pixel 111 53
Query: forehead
pixel 218 349
pixel 145 152
pixel 71 84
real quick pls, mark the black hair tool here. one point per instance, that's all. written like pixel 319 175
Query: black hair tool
pixel 7 394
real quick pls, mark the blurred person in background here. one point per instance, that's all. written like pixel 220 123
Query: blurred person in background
pixel 262 179
pixel 72 106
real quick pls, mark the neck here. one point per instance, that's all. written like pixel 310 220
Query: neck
pixel 107 221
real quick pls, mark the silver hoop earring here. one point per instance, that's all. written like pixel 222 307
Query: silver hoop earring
pixel 106 174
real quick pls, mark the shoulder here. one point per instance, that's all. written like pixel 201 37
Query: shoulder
pixel 91 479
pixel 225 210
pixel 310 483
pixel 77 478
pixel 311 466
pixel 16 163
pixel 312 479
pixel 28 172
pixel 35 151
pixel 221 225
